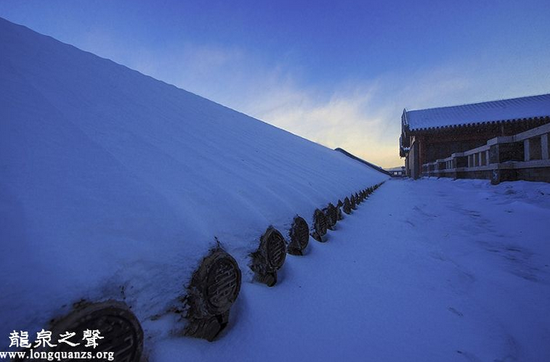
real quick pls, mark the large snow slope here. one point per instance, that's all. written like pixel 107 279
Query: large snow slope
pixel 429 270
pixel 115 185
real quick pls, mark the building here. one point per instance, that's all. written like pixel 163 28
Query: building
pixel 350 155
pixel 397 171
pixel 430 137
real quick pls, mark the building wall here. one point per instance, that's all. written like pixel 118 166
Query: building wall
pixel 431 145
pixel 413 160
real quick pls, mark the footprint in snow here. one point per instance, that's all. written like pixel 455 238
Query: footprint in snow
pixel 458 313
pixel 469 356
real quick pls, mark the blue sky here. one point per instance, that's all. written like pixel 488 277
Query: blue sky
pixel 338 73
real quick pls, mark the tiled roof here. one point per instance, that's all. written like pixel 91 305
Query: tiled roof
pixel 485 112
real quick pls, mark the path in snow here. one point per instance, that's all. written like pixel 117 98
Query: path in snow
pixel 430 270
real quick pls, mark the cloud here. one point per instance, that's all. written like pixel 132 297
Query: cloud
pixel 348 119
pixel 365 118
pixel 362 116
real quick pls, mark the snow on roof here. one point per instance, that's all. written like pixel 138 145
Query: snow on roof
pixel 485 112
pixel 111 179
pixel 377 168
pixel 398 168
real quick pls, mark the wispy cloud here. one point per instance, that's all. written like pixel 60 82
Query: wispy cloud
pixel 348 118
pixel 361 116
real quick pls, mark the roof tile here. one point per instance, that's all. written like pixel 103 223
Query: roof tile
pixel 485 112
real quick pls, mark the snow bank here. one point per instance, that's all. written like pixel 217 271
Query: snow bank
pixel 115 185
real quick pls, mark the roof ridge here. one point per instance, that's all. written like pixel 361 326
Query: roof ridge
pixel 481 103
pixel 477 113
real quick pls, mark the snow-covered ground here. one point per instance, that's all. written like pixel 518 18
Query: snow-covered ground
pixel 429 270
pixel 114 185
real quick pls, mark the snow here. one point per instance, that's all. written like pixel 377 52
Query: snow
pixel 494 111
pixel 115 185
pixel 429 270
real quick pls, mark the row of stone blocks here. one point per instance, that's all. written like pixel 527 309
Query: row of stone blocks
pixel 213 289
